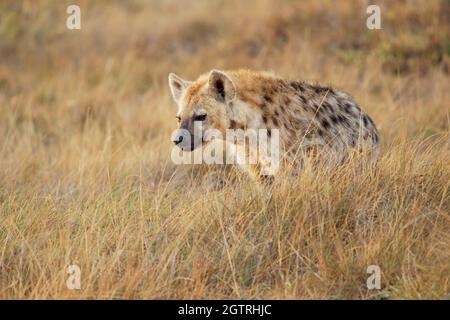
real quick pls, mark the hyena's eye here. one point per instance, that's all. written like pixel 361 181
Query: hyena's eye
pixel 178 119
pixel 200 117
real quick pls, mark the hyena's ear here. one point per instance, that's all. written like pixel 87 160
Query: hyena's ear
pixel 177 86
pixel 221 87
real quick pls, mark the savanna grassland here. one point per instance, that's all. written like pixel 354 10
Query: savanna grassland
pixel 86 176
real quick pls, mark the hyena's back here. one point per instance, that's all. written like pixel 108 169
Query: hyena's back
pixel 309 115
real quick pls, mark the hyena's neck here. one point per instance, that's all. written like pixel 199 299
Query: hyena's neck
pixel 243 116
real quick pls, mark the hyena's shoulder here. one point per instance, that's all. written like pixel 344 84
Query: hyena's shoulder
pixel 273 94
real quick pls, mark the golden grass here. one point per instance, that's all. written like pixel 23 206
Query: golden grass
pixel 86 176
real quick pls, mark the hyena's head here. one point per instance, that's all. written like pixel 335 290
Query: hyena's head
pixel 203 105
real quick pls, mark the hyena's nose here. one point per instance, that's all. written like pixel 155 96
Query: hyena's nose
pixel 178 139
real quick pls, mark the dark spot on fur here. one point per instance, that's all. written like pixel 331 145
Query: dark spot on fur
pixel 322 90
pixel 375 138
pixel 327 106
pixel 325 123
pixel 297 86
pixel 334 119
pixel 269 133
pixel 348 108
pixel 268 98
pixel 302 99
pixel 320 132
pixel 232 124
pixel 275 121
pixel 287 101
pixel 264 118
pixel 366 122
pixel 344 120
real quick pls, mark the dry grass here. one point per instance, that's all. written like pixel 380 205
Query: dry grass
pixel 86 176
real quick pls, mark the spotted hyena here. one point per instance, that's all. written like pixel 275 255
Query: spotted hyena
pixel 310 120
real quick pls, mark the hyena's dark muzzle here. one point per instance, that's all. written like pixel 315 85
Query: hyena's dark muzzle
pixel 186 138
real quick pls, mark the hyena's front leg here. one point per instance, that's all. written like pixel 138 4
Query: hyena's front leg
pixel 265 169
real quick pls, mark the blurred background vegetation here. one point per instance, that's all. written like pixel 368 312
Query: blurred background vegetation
pixel 193 35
